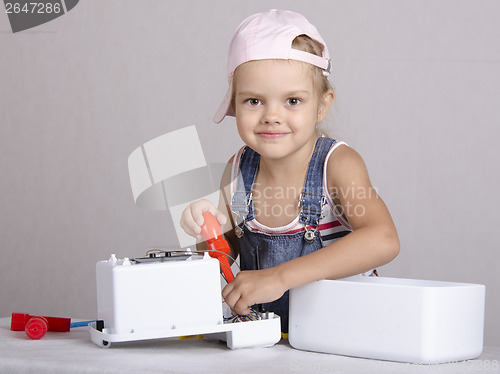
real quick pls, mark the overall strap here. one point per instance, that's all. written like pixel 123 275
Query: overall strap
pixel 312 198
pixel 241 201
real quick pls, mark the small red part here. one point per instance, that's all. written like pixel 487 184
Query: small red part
pixel 212 233
pixel 37 326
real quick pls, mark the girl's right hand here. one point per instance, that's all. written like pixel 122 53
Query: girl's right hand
pixel 192 218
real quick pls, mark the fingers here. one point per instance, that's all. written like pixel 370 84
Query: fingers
pixel 227 290
pixel 189 224
pixel 192 217
pixel 237 303
pixel 241 310
pixel 251 287
pixel 220 217
pixel 234 298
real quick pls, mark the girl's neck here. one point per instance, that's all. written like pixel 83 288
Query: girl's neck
pixel 289 168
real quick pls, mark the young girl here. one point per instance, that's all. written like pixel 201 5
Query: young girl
pixel 295 205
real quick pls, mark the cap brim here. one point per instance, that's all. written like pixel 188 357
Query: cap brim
pixel 225 108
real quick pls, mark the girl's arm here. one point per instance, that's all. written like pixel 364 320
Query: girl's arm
pixel 373 242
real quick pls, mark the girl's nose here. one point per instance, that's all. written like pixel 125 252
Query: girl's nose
pixel 272 114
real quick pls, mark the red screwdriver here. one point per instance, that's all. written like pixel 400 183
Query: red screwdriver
pixel 217 247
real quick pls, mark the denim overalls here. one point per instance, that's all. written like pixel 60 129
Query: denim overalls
pixel 263 250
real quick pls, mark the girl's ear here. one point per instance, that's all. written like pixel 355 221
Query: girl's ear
pixel 325 102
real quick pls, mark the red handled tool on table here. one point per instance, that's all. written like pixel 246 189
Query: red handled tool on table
pixel 217 247
pixel 36 326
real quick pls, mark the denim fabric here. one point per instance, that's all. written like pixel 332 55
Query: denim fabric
pixel 273 250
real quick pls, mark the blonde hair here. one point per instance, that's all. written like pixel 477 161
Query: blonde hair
pixel 320 81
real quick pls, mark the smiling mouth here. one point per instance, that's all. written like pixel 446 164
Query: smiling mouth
pixel 272 135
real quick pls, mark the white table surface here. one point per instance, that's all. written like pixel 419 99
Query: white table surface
pixel 73 352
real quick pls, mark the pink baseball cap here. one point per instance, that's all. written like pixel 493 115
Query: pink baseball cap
pixel 269 35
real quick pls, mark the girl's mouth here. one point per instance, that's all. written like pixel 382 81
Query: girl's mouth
pixel 272 135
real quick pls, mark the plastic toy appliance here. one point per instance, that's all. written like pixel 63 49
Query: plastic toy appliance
pixel 407 320
pixel 175 294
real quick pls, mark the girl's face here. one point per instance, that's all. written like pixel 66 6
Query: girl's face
pixel 277 107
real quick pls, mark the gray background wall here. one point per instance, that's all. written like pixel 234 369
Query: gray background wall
pixel 417 95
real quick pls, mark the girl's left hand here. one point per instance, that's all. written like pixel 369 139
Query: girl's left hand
pixel 253 287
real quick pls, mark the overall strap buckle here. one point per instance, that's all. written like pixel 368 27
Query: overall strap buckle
pixel 311 210
pixel 240 208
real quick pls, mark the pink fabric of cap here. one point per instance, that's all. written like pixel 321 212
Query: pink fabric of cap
pixel 269 35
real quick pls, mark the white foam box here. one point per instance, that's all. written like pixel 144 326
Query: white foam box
pixel 406 320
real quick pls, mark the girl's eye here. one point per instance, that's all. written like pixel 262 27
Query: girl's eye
pixel 293 101
pixel 253 102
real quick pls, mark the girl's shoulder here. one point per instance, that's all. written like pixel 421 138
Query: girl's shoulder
pixel 344 166
pixel 335 144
